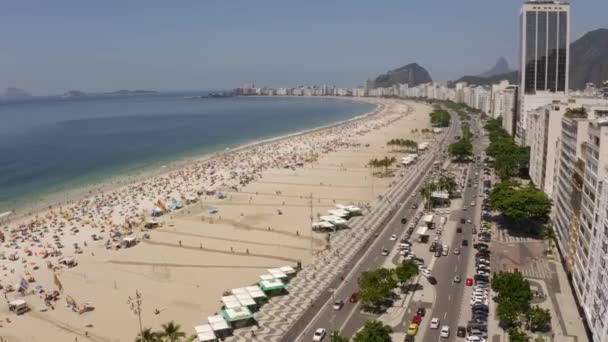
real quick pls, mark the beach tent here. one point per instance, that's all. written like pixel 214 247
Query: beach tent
pixel 335 220
pixel 205 333
pixel 354 210
pixel 212 210
pixel 267 277
pixel 277 273
pixel 245 299
pixel 236 314
pixel 156 212
pixel 218 323
pixel 255 292
pixel 231 302
pixel 129 241
pixel 272 285
pixel 324 225
pixel 287 270
pixel 339 212
pixel 151 223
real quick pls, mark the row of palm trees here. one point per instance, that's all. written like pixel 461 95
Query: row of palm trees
pixel 171 332
pixel 403 143
pixel 385 163
pixel 444 183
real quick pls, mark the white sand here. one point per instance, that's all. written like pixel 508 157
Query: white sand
pixel 195 256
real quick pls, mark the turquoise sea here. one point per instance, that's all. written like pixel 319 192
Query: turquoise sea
pixel 50 145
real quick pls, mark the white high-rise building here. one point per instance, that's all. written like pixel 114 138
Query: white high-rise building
pixel 544 57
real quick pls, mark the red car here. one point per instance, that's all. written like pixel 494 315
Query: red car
pixel 354 297
pixel 416 319
pixel 469 281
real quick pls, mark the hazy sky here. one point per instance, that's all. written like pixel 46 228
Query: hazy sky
pixel 49 47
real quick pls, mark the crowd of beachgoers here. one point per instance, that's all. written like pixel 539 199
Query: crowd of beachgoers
pixel 51 238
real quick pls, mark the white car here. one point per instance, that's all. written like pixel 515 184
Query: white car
pixel 445 331
pixel 445 251
pixel 479 301
pixel 425 272
pixel 319 334
pixel 393 237
pixel 435 323
pixel 475 339
pixel 384 251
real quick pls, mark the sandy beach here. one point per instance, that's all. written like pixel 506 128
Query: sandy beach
pixel 251 211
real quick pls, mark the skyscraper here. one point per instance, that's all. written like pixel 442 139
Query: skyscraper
pixel 544 57
pixel 545 46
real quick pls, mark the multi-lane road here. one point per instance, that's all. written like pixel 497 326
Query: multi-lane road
pixel 450 303
pixel 349 318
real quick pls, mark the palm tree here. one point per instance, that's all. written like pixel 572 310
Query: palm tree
pixel 374 163
pixel 386 162
pixel 172 332
pixel 147 335
pixel 448 184
pixel 549 235
pixel 427 192
pixel 191 338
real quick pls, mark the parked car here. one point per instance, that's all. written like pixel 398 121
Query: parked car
pixel 412 329
pixel 319 334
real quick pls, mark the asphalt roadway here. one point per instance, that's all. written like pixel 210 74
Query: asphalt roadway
pixel 449 303
pixel 322 314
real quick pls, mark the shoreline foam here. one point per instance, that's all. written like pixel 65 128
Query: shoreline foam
pixel 154 169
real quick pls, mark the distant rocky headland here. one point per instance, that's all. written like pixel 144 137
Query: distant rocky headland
pixel 122 92
pixel 12 93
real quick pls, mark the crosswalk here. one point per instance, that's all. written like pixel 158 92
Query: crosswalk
pixel 504 236
pixel 537 269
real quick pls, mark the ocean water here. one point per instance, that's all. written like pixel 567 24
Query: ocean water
pixel 50 145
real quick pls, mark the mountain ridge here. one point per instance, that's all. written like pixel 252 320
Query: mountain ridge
pixel 501 67
pixel 588 63
pixel 411 74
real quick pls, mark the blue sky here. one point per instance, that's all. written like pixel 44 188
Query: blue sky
pixel 49 47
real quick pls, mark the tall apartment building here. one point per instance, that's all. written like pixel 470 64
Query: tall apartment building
pixel 598 277
pixel 544 57
pixel 544 125
pixel 579 209
pixel 509 108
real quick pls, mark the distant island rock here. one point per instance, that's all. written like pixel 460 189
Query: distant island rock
pixel 74 93
pixel 501 67
pixel 411 74
pixel 12 93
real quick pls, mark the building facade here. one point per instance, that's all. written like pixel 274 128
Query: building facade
pixel 544 57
